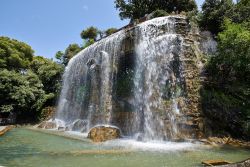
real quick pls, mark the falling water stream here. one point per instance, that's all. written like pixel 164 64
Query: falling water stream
pixel 89 95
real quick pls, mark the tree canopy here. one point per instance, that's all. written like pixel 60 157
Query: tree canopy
pixel 27 82
pixel 71 51
pixel 49 73
pixel 135 9
pixel 90 33
pixel 213 14
pixel 110 31
pixel 228 71
pixel 14 55
pixel 21 92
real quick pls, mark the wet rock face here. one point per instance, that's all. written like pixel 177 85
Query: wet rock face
pixel 80 125
pixel 103 133
pixel 47 125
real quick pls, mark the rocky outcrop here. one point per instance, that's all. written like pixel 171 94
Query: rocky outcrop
pixel 47 125
pixel 103 133
pixel 191 120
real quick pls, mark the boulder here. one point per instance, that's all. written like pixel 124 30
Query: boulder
pixel 47 125
pixel 103 133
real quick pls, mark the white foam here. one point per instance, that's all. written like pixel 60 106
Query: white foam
pixel 152 145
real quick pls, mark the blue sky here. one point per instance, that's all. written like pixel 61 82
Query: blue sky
pixel 51 25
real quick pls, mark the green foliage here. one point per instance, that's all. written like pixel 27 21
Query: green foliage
pixel 22 92
pixel 88 43
pixel 225 113
pixel 27 83
pixel 233 59
pixel 241 12
pixel 6 108
pixel 159 13
pixel 135 9
pixel 213 14
pixel 70 52
pixel 49 73
pixel 59 56
pixel 226 96
pixel 90 33
pixel 14 55
pixel 110 31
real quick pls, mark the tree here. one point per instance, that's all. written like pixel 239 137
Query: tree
pixel 14 55
pixel 241 12
pixel 59 56
pixel 21 93
pixel 88 43
pixel 233 59
pixel 49 73
pixel 70 52
pixel 90 33
pixel 213 14
pixel 135 9
pixel 110 31
pixel 226 94
pixel 27 83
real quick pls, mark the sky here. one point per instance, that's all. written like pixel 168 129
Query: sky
pixel 51 25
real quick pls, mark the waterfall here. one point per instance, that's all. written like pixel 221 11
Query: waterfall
pixel 132 79
pixel 87 84
pixel 157 46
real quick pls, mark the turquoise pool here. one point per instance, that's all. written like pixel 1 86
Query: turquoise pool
pixel 28 148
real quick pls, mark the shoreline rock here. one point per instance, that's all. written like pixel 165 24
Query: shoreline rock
pixel 4 129
pixel 218 141
pixel 244 163
pixel 223 163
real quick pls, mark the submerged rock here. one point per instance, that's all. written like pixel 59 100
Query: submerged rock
pixel 103 133
pixel 47 125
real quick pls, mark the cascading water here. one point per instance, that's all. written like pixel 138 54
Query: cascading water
pixel 133 86
pixel 87 84
pixel 156 48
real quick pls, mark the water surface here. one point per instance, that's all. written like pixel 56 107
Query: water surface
pixel 24 147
